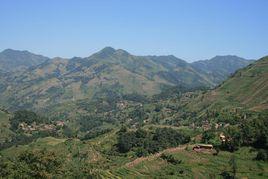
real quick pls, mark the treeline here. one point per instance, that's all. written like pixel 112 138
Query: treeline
pixel 32 164
pixel 95 133
pixel 169 92
pixel 247 132
pixel 20 137
pixel 23 139
pixel 144 142
pixel 27 117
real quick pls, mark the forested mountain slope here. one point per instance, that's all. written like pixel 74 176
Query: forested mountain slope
pixel 108 71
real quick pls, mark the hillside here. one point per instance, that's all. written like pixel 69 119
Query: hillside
pixel 219 68
pixel 108 71
pixel 127 136
pixel 12 60
pixel 247 88
pixel 94 158
pixel 5 132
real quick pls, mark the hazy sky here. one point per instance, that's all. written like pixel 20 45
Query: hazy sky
pixel 188 29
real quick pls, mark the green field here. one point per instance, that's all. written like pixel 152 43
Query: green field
pixel 76 154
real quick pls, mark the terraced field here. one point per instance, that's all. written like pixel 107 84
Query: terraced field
pixel 195 165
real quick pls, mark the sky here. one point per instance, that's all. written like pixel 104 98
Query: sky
pixel 189 29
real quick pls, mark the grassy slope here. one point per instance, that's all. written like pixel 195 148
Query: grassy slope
pixel 194 165
pixel 248 88
pixel 72 152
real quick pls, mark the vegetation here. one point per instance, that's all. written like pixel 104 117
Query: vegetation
pixel 85 78
pixel 32 164
pixel 170 159
pixel 150 142
pixel 27 117
pixel 116 130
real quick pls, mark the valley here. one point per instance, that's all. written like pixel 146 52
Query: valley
pixel 117 115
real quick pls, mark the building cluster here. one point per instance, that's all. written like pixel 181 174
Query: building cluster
pixel 28 128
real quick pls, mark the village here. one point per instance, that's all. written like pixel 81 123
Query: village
pixel 40 127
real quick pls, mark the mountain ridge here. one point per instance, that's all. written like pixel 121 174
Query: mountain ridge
pixel 246 88
pixel 12 60
pixel 60 80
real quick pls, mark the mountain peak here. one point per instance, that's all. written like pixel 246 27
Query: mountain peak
pixel 108 50
pixel 11 60
pixel 105 52
pixel 12 51
pixel 227 57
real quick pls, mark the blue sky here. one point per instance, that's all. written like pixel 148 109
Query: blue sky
pixel 188 29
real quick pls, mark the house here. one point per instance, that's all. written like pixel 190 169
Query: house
pixel 203 147
pixel 206 125
pixel 222 137
pixel 60 123
pixel 23 126
pixel 121 104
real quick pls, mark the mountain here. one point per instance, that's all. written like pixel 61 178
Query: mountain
pixel 247 88
pixel 107 72
pixel 219 68
pixel 60 80
pixel 11 60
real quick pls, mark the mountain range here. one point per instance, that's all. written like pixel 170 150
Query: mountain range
pixel 34 81
pixel 98 117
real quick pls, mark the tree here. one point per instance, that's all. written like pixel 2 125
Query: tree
pixel 234 138
pixel 25 116
pixel 32 164
pixel 207 136
pixel 68 132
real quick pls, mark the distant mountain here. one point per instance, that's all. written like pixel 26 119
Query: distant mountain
pixel 12 60
pixel 219 68
pixel 107 72
pixel 247 88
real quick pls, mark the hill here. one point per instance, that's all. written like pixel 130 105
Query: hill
pixel 12 60
pixel 219 68
pixel 247 88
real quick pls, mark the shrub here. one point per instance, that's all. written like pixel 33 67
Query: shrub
pixel 170 159
pixel 262 155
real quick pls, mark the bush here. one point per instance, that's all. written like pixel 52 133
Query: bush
pixel 141 152
pixel 95 133
pixel 32 164
pixel 170 159
pixel 262 155
pixel 152 142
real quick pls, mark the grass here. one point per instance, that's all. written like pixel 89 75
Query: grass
pixel 247 88
pixel 96 151
pixel 197 165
